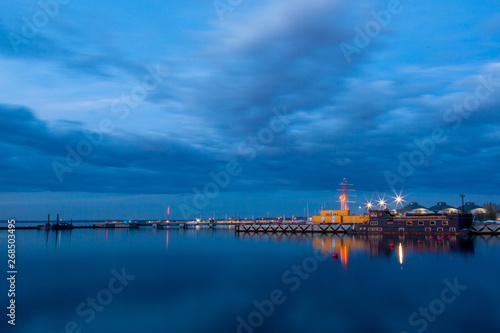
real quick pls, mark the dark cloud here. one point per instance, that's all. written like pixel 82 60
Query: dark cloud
pixel 120 163
pixel 80 55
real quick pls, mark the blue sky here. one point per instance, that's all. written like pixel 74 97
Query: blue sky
pixel 150 100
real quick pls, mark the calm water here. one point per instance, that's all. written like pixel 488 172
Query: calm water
pixel 214 281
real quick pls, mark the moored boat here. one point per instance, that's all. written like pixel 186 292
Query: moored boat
pixel 383 221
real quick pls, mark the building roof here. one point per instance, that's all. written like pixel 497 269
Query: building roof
pixel 441 206
pixel 411 206
pixel 469 206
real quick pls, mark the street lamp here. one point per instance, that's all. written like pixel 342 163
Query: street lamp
pixel 462 196
pixel 368 207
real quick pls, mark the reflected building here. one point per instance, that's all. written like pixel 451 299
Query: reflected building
pixel 340 244
pixel 388 245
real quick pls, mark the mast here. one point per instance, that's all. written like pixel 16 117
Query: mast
pixel 344 195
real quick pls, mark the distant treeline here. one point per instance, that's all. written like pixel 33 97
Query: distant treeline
pixel 492 209
pixel 495 207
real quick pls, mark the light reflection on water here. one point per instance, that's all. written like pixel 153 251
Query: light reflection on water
pixel 204 280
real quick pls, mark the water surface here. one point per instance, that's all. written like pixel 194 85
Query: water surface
pixel 208 280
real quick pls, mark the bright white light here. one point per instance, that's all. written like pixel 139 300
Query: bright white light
pixel 399 198
pixel 400 253
pixel 381 203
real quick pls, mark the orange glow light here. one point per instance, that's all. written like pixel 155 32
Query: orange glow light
pixel 343 256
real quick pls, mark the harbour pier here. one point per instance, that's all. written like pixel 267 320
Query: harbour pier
pixel 305 227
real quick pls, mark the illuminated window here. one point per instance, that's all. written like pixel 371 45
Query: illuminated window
pixel 408 222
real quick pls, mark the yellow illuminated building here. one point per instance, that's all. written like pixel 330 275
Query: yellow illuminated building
pixel 339 216
pixel 343 215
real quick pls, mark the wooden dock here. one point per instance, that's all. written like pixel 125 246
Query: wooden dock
pixel 485 228
pixel 296 228
pixel 476 229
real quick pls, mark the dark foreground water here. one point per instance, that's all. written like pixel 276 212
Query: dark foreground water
pixel 207 280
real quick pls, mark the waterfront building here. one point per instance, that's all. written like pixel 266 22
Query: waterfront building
pixel 443 208
pixel 472 208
